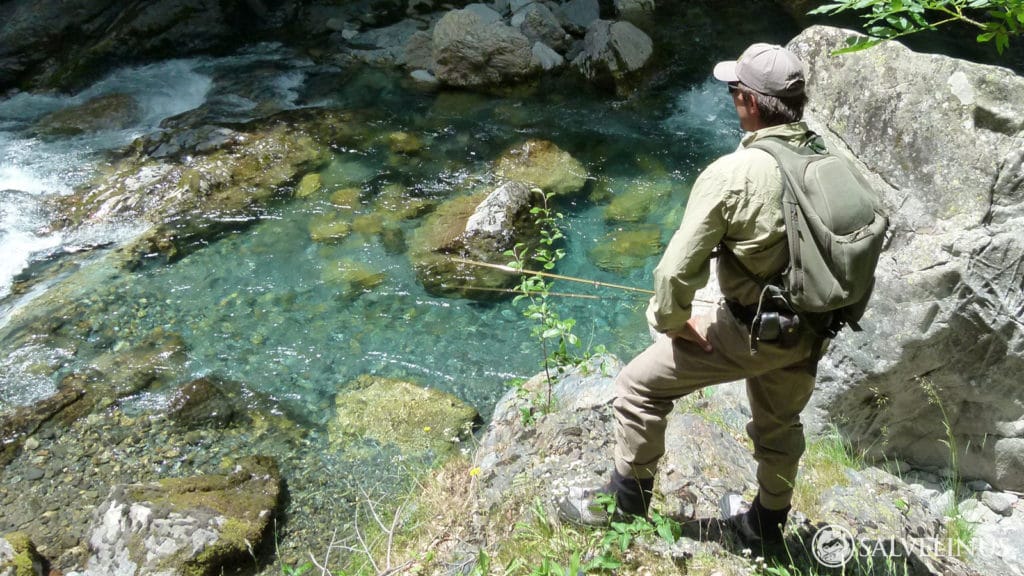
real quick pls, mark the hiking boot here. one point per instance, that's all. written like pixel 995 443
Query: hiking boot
pixel 632 498
pixel 757 526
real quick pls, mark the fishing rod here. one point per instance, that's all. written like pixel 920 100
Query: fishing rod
pixel 512 291
pixel 511 270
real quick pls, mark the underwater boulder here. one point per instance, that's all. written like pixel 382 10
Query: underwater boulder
pixel 480 227
pixel 352 278
pixel 418 421
pixel 542 164
pixel 628 249
pixel 638 201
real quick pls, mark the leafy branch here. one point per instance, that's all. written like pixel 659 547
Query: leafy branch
pixel 997 20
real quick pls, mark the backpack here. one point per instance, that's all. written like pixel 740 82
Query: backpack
pixel 835 228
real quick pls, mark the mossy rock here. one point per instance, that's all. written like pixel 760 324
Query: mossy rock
pixel 346 172
pixel 347 197
pixel 394 201
pixel 638 200
pixel 542 164
pixel 622 250
pixel 200 197
pixel 309 185
pixel 404 143
pixel 417 421
pixel 18 556
pixel 329 228
pixel 447 235
pixel 109 112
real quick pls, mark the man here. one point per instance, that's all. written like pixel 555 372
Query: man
pixel 735 204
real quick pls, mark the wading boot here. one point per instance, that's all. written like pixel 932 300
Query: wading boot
pixel 583 506
pixel 758 526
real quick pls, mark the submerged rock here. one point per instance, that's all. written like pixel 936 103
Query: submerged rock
pixel 418 421
pixel 543 164
pixel 621 250
pixel 205 402
pixel 638 201
pixel 185 526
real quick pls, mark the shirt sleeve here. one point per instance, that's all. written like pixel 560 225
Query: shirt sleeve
pixel 686 264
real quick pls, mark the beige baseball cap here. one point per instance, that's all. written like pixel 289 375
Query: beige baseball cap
pixel 766 68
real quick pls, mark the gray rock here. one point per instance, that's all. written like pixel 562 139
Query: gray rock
pixel 612 51
pixel 423 76
pixel 1000 502
pixel 540 24
pixel 419 51
pixel 996 549
pixel 487 14
pixel 941 139
pixel 634 10
pixel 546 58
pixel 384 46
pixel 517 5
pixel 470 52
pixel 577 15
pixel 979 486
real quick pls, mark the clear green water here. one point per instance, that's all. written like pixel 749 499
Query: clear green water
pixel 261 306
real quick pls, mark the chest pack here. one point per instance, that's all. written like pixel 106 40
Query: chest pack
pixel 835 228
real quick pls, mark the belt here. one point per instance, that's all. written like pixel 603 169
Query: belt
pixel 744 314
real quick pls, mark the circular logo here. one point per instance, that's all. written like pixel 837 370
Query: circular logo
pixel 833 546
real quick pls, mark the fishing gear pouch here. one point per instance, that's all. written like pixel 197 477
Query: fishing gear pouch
pixel 779 328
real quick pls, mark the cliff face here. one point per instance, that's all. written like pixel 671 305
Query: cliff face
pixel 944 344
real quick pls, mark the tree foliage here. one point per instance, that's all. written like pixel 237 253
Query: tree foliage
pixel 996 20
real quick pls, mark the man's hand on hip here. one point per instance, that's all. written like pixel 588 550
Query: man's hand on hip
pixel 692 333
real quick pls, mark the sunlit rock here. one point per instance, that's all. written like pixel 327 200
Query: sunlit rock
pixel 346 198
pixel 419 421
pixel 613 52
pixel 622 250
pixel 404 142
pixel 542 164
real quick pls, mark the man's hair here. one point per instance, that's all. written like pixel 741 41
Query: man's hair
pixel 775 110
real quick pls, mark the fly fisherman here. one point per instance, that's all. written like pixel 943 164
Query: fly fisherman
pixel 736 203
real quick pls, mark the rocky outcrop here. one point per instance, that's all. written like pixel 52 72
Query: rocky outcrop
pixel 197 190
pixel 944 341
pixel 110 112
pixel 185 526
pixel 705 459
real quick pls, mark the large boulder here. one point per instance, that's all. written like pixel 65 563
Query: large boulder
pixel 185 526
pixel 480 227
pixel 935 377
pixel 110 112
pixel 613 52
pixel 471 51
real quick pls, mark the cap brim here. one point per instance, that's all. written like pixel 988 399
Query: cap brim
pixel 726 71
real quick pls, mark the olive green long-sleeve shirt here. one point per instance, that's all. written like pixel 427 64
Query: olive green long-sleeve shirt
pixel 737 200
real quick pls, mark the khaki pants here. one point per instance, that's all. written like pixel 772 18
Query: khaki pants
pixel 779 385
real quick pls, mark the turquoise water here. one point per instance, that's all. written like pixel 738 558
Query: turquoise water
pixel 263 305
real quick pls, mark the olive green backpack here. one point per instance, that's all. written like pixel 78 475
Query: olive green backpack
pixel 835 227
